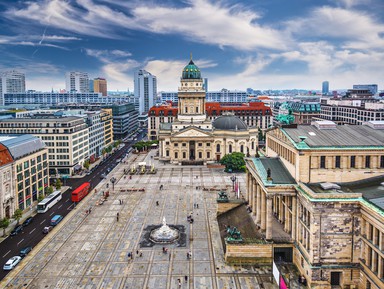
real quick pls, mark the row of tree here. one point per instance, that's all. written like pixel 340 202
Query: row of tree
pixel 144 145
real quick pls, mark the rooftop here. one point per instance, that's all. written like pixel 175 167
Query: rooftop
pixel 279 173
pixel 23 145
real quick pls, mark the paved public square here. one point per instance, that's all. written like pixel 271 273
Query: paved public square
pixel 91 250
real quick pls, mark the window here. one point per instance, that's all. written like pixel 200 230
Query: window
pixel 381 161
pixel 197 109
pixel 218 148
pixel 353 161
pixel 184 144
pixel 230 148
pixel 176 155
pixel 200 155
pixel 368 161
pixel 186 109
pixel 208 155
pixel 208 144
pixel 200 144
pixel 253 145
pixel 176 144
pixel 322 162
pixel 167 153
pixel 242 148
pixel 167 143
pixel 184 155
pixel 337 162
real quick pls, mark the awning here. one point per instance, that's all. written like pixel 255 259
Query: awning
pixel 77 167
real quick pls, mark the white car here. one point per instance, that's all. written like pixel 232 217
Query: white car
pixel 11 263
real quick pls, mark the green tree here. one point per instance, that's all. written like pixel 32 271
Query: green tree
pixel 49 190
pixel 40 197
pixel 234 162
pixel 104 151
pixel 4 223
pixel 86 164
pixel 58 184
pixel 17 215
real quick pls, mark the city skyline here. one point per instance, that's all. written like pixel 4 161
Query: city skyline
pixel 267 45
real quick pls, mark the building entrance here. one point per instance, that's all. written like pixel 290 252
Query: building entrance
pixel 192 154
pixel 335 278
pixel 8 212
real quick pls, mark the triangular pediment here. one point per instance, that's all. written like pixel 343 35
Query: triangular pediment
pixel 192 132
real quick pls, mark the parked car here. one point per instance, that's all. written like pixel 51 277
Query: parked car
pixel 17 230
pixel 27 221
pixel 24 252
pixel 47 229
pixel 56 219
pixel 11 263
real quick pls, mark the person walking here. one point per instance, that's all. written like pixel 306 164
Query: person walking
pixel 186 278
pixel 117 217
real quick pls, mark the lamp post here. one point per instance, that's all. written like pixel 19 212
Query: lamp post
pixel 233 179
pixel 113 180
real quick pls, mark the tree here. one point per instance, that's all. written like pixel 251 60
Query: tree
pixel 17 215
pixel 86 164
pixel 58 184
pixel 234 162
pixel 49 190
pixel 4 223
pixel 104 151
pixel 40 197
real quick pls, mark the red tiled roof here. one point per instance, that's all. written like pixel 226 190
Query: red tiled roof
pixel 5 156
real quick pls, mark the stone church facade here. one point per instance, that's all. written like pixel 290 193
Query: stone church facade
pixel 194 139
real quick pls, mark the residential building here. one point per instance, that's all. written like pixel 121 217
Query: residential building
pixel 253 114
pixel 222 96
pixel 191 137
pixel 325 88
pixel 145 89
pixel 373 88
pixel 143 120
pixel 76 81
pixel 319 187
pixel 107 121
pixel 351 111
pixel 30 168
pixel 56 98
pixel 125 120
pixel 11 82
pixel 7 184
pixel 67 139
pixel 100 85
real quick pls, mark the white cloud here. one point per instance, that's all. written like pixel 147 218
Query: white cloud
pixel 351 3
pixel 209 22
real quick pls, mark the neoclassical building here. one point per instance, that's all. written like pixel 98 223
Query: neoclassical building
pixel 318 194
pixel 192 138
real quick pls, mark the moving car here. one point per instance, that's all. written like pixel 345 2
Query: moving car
pixel 11 263
pixel 24 252
pixel 47 229
pixel 27 221
pixel 56 219
pixel 17 230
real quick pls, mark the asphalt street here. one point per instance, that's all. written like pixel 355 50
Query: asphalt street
pixel 32 234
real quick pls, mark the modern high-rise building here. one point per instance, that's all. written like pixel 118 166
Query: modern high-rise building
pixel 77 81
pixel 372 87
pixel 325 88
pixel 11 82
pixel 100 85
pixel 145 89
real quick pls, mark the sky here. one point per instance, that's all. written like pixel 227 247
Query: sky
pixel 261 44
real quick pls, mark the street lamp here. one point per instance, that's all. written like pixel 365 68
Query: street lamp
pixel 113 180
pixel 233 179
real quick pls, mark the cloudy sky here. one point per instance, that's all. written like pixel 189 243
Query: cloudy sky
pixel 263 44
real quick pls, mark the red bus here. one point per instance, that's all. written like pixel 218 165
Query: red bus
pixel 81 192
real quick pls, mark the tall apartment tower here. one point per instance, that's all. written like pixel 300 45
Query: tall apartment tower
pixel 77 81
pixel 100 85
pixel 11 82
pixel 145 89
pixel 325 88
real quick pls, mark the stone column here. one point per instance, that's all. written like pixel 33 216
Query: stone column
pixel 268 234
pixel 254 189
pixel 263 211
pixel 258 204
pixel 294 209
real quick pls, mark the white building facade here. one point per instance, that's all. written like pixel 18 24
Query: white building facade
pixel 145 89
pixel 77 81
pixel 11 82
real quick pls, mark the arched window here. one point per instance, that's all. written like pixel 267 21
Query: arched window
pixel 176 155
pixel 184 155
pixel 186 109
pixel 242 148
pixel 253 145
pixel 230 148
pixel 218 148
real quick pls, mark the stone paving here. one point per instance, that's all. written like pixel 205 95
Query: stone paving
pixel 91 251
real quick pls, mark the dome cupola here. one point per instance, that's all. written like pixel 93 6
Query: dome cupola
pixel 229 122
pixel 191 71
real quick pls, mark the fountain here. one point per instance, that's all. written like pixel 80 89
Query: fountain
pixel 164 234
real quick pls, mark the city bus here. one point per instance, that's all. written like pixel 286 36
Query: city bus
pixel 81 192
pixel 49 202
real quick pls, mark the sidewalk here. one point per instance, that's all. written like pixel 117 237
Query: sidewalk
pixel 27 213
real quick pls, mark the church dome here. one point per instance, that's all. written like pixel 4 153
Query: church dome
pixel 229 122
pixel 191 71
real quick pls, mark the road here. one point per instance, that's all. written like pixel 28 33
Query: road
pixel 32 234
